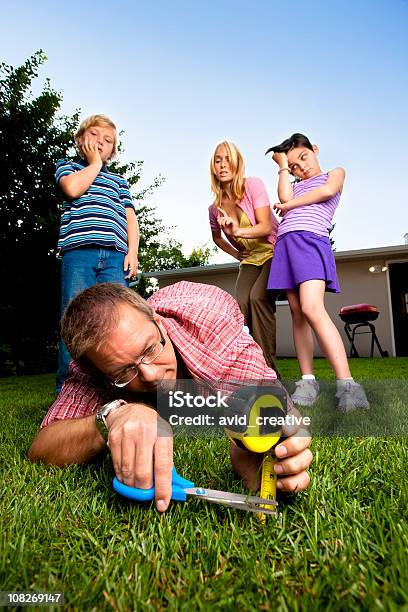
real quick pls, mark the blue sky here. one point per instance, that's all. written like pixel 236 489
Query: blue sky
pixel 180 76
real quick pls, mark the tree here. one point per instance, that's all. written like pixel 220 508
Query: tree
pixel 32 138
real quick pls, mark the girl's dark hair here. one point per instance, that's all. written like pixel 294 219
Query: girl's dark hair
pixel 296 140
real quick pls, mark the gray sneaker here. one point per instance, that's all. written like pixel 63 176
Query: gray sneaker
pixel 306 393
pixel 351 396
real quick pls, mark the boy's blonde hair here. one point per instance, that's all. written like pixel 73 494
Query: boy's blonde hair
pixel 237 167
pixel 99 121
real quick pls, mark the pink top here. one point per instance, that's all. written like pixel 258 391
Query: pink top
pixel 255 196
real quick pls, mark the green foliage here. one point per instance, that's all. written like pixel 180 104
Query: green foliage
pixel 32 138
pixel 331 237
pixel 342 545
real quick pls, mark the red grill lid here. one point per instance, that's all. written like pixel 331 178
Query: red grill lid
pixel 358 308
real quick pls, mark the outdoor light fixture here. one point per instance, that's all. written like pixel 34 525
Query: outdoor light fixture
pixel 377 269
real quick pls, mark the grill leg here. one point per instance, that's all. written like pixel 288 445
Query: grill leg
pixel 350 336
pixel 351 333
pixel 374 338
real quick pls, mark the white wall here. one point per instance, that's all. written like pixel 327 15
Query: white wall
pixel 358 286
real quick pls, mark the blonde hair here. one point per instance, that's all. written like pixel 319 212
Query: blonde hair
pixel 237 165
pixel 99 121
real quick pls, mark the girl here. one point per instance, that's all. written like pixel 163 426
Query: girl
pixel 304 265
pixel 241 210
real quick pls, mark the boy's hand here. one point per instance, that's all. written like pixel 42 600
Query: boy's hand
pixel 90 150
pixel 281 159
pixel 130 265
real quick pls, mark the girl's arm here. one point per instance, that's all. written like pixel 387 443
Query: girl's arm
pixel 131 260
pixel 285 189
pixel 263 227
pixel 333 184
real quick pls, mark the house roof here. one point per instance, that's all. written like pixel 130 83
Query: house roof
pixel 399 251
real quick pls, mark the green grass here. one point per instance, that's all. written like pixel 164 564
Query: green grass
pixel 339 546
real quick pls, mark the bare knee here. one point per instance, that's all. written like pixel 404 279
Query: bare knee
pixel 296 312
pixel 312 311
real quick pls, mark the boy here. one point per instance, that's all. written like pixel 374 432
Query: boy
pixel 99 234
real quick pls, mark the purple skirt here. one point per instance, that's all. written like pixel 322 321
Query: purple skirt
pixel 302 256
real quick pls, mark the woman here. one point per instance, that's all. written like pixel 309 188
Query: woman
pixel 241 210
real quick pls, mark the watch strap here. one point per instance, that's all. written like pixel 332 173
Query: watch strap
pixel 102 413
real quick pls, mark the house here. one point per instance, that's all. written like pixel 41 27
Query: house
pixel 377 276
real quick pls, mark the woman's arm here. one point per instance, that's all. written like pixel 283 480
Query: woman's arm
pixel 261 229
pixel 224 245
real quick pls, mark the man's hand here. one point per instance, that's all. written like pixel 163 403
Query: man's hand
pixel 141 442
pixel 294 458
pixel 130 265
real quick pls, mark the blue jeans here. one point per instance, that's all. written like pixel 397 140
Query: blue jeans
pixel 82 268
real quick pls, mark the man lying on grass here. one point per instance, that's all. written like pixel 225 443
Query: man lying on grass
pixel 123 347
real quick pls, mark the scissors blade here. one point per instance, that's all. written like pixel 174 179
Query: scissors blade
pixel 249 503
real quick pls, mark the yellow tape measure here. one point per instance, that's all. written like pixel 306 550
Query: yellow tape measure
pixel 262 407
pixel 268 482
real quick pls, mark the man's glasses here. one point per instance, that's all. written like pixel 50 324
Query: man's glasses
pixel 150 354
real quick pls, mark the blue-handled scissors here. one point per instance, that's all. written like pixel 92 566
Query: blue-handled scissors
pixel 181 488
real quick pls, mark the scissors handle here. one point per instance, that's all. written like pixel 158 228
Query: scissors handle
pixel 178 486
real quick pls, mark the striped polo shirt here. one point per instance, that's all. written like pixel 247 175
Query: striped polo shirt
pixel 98 217
pixel 316 218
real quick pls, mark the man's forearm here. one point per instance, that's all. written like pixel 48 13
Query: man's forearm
pixel 68 441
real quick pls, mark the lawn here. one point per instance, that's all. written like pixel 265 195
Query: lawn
pixel 339 546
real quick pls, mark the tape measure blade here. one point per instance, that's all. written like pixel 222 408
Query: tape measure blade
pixel 268 482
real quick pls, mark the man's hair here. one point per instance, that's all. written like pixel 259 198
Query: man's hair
pixel 94 313
pixel 99 121
pixel 237 167
pixel 294 141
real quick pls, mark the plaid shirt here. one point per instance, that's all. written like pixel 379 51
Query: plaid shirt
pixel 205 326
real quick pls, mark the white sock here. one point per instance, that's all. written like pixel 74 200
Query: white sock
pixel 308 377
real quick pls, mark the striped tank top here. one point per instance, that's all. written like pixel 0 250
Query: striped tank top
pixel 316 218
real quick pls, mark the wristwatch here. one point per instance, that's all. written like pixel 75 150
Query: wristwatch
pixel 100 416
